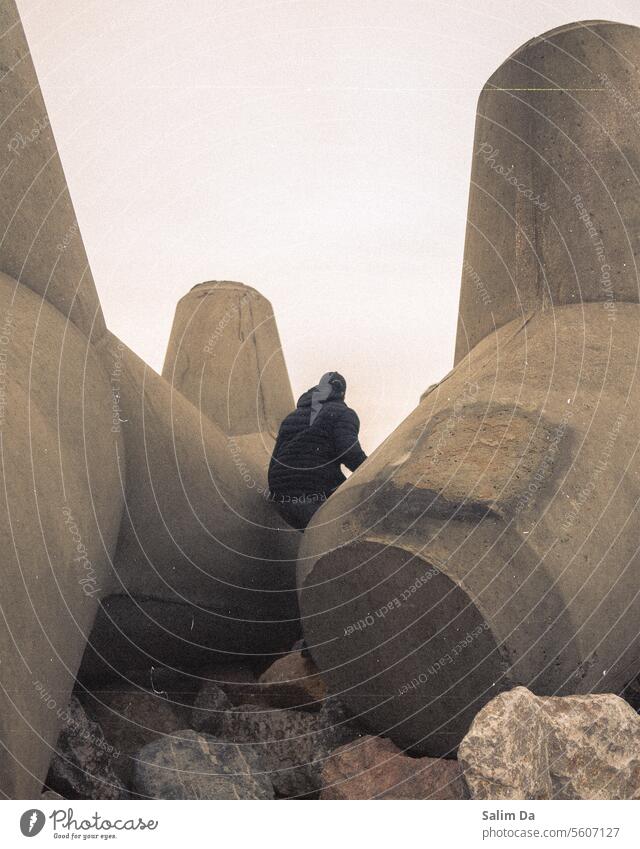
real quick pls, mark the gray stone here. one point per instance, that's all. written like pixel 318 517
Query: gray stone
pixel 198 766
pixel 132 718
pixel 291 744
pixel 208 708
pixel 522 746
pixel 83 765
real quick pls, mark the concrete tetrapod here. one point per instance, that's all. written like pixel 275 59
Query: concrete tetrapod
pixel 203 573
pixel 491 540
pixel 126 521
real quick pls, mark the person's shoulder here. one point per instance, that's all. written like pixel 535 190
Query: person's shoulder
pixel 293 418
pixel 341 410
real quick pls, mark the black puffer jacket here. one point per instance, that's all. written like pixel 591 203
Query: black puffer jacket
pixel 306 459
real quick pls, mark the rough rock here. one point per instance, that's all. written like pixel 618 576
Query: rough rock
pixel 335 715
pixel 373 768
pixel 293 681
pixel 83 765
pixel 132 718
pixel 199 766
pixel 292 744
pixel 522 746
pixel 208 708
pixel 236 680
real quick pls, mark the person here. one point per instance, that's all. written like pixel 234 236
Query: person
pixel 313 442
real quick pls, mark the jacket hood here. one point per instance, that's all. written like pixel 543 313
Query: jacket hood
pixel 325 391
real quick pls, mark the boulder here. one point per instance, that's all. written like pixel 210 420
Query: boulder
pixel 292 744
pixel 131 719
pixel 83 765
pixel 293 681
pixel 522 746
pixel 236 680
pixel 336 715
pixel 373 768
pixel 208 708
pixel 199 766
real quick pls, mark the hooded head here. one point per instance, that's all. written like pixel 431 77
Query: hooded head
pixel 332 387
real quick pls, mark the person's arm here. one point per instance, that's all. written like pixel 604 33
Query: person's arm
pixel 345 435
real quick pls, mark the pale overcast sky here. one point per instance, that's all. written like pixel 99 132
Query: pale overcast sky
pixel 319 150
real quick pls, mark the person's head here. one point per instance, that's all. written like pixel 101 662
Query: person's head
pixel 335 384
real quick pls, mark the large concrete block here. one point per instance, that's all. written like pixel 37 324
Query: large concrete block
pixel 491 540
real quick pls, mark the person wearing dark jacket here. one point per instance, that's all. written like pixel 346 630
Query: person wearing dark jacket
pixel 313 442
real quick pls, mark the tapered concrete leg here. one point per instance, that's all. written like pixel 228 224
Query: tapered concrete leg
pixel 492 539
pixel 225 356
pixel 40 241
pixel 61 501
pixel 553 215
pixel 60 508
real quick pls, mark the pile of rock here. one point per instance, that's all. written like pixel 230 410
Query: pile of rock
pixel 522 746
pixel 230 735
pixel 223 735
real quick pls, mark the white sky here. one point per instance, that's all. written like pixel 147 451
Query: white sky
pixel 318 150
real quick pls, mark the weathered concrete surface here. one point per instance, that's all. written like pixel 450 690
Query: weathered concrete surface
pixel 577 747
pixel 40 241
pixel 59 516
pixel 491 540
pixel 559 118
pixel 225 356
pixel 199 571
pixel 202 572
